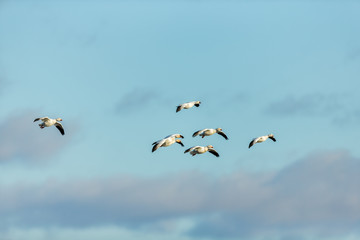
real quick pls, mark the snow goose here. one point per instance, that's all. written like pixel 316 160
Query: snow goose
pixel 200 150
pixel 261 139
pixel 48 122
pixel 209 131
pixel 167 141
pixel 187 105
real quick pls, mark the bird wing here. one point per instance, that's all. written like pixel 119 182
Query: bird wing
pixel 180 143
pixel 253 142
pixel 198 132
pixel 60 127
pixel 178 108
pixel 158 144
pixel 155 147
pixel 212 151
pixel 272 138
pixel 189 149
pixel 44 119
pixel 223 134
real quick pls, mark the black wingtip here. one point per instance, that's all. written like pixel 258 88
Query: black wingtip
pixel 61 130
pixel 223 134
pixel 214 153
pixel 187 150
pixel 153 149
pixel 195 133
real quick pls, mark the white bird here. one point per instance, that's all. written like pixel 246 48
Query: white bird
pixel 209 131
pixel 261 139
pixel 48 122
pixel 167 141
pixel 187 105
pixel 200 150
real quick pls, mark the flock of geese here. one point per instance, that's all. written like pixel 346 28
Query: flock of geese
pixel 171 139
pixel 174 138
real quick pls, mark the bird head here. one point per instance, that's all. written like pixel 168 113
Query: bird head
pixel 58 119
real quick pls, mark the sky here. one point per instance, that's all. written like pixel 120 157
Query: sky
pixel 115 71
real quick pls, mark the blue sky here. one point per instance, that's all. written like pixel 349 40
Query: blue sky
pixel 115 72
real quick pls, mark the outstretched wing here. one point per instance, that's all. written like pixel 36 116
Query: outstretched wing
pixel 60 127
pixel 188 150
pixel 178 108
pixel 197 133
pixel 212 151
pixel 197 104
pixel 223 134
pixel 252 142
pixel 272 138
pixel 157 145
pixel 44 119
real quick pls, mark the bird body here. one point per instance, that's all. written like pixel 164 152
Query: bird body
pixel 167 141
pixel 261 139
pixel 200 150
pixel 209 132
pixel 187 105
pixel 48 122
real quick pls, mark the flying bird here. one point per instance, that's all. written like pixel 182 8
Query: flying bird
pixel 261 139
pixel 200 150
pixel 187 105
pixel 167 141
pixel 209 132
pixel 48 122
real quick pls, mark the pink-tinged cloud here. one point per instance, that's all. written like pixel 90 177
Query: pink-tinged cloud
pixel 318 195
pixel 22 139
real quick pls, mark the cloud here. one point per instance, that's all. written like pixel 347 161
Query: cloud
pixel 350 116
pixel 136 100
pixel 317 195
pixel 307 105
pixel 21 139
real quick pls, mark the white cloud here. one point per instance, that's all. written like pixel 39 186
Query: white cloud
pixel 318 196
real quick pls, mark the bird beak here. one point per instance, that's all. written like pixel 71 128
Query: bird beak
pixel 181 136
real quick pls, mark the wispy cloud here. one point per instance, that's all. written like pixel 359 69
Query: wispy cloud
pixel 310 104
pixel 339 109
pixel 21 139
pixel 136 100
pixel 318 195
